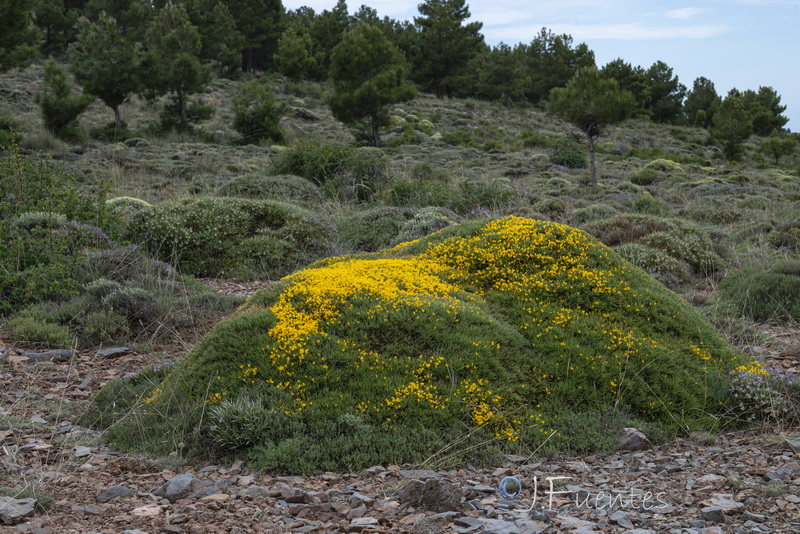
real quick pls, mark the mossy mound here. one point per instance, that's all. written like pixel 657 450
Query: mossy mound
pixel 485 331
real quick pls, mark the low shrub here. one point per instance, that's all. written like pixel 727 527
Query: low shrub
pixel 669 271
pixel 420 193
pixel 688 245
pixel 645 176
pixel 771 295
pixel 341 169
pixel 31 330
pixel 243 237
pixel 665 165
pixel 425 222
pixel 569 154
pixel 591 213
pixel 285 188
pixel 373 229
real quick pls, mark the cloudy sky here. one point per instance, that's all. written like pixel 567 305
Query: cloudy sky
pixel 735 43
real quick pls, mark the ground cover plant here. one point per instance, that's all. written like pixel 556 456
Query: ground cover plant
pixel 485 331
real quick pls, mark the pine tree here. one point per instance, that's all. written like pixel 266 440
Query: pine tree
pixel 552 61
pixel 592 102
pixel 18 39
pixel 666 93
pixel 294 58
pixel 60 108
pixel 104 62
pixel 732 125
pixel 446 44
pixel 701 102
pixel 368 74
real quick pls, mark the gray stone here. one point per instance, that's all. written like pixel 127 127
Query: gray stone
pixel 498 526
pixel 361 511
pixel 631 439
pixel 178 487
pixel 713 514
pixel 696 523
pixel 419 474
pixel 114 492
pixel 361 523
pixel 621 518
pixel 113 352
pixel 58 355
pixel 724 501
pixel 13 511
pixel 758 518
pixel 93 509
pixel 357 499
pixel 435 494
pixel 641 531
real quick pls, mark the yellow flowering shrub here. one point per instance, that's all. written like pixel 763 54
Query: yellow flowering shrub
pixel 497 326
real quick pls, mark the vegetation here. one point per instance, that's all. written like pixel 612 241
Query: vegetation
pixel 248 174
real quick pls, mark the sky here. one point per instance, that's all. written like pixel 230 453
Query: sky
pixel 734 43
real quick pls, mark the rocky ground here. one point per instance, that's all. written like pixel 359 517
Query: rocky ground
pixel 739 482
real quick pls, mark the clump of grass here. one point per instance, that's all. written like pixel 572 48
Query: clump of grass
pixel 765 295
pixel 285 188
pixel 479 334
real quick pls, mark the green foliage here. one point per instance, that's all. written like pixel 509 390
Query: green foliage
pixel 104 62
pixel 240 237
pixel 170 65
pixel 771 295
pixel 18 37
pixel 60 108
pixel 570 154
pixel 633 79
pixel 256 115
pixel 551 61
pixel 666 93
pixel 689 245
pixel 333 166
pixel 288 188
pixel 594 212
pixel 701 103
pixel 294 58
pixel 482 332
pixel 31 331
pixel 592 102
pixel 732 125
pixel 368 74
pixel 425 222
pixel 373 229
pixel 9 135
pixel 664 165
pixel 670 271
pixel 779 145
pixel 222 43
pixel 446 45
pixel 644 177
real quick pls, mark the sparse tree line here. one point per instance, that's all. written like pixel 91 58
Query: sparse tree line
pixel 116 48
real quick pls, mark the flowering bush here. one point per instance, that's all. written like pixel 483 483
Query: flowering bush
pixel 489 329
pixel 756 393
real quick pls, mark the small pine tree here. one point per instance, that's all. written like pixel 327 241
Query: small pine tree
pixel 256 114
pixel 60 108
pixel 779 145
pixel 368 74
pixel 591 102
pixel 18 38
pixel 732 125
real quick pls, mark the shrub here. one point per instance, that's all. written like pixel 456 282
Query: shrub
pixel 569 154
pixel 425 222
pixel 27 329
pixel 286 188
pixel 60 108
pixel 689 245
pixel 644 177
pixel 335 166
pixel 669 271
pixel 214 236
pixel 425 172
pixel 256 115
pixel 373 229
pixel 755 394
pixel 765 296
pixel 133 303
pixel 476 195
pixel 104 327
pixel 664 165
pixel 481 333
pixel 9 134
pixel 626 228
pixel 592 213
pixel 532 139
pixel 414 193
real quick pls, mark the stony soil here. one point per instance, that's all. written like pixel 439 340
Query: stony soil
pixel 738 482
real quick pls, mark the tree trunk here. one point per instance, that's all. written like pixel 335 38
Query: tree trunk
pixel 376 134
pixel 117 118
pixel 591 160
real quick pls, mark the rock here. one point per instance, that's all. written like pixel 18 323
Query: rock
pixel 419 474
pixel 178 487
pixel 724 501
pixel 622 519
pixel 498 526
pixel 93 509
pixel 631 439
pixel 435 494
pixel 113 352
pixel 361 523
pixel 713 514
pixel 13 511
pixel 59 355
pixel 114 492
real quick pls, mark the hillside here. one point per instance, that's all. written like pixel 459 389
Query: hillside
pixel 189 212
